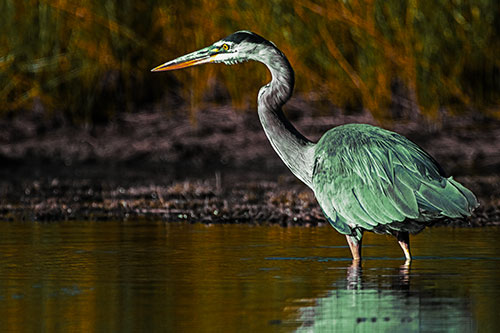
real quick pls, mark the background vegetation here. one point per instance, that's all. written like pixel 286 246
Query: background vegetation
pixel 90 59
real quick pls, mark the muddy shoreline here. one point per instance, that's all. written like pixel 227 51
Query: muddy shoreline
pixel 219 198
pixel 218 168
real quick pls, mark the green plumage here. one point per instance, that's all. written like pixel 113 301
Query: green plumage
pixel 370 178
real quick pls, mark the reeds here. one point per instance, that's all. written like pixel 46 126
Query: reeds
pixel 91 59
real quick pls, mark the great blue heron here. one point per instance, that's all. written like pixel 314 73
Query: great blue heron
pixel 364 177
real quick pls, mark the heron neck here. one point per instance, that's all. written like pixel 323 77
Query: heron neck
pixel 296 151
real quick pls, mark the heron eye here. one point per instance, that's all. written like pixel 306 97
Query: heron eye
pixel 225 47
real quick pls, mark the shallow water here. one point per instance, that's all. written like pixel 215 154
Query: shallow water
pixel 146 276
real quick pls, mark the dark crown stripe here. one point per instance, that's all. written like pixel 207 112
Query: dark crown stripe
pixel 247 36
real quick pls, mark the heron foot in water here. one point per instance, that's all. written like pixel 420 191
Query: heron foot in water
pixel 404 241
pixel 355 246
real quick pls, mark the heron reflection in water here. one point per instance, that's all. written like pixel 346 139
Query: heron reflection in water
pixel 364 177
pixel 382 300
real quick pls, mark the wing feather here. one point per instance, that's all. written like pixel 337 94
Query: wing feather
pixel 375 206
pixel 365 176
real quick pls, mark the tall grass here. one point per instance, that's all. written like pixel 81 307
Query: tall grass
pixel 91 59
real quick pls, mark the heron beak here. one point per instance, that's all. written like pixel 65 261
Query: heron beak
pixel 199 57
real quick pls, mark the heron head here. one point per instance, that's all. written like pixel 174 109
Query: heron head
pixel 235 48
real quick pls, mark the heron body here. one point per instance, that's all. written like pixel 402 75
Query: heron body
pixel 363 177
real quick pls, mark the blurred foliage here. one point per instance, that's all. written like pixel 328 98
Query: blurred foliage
pixel 91 58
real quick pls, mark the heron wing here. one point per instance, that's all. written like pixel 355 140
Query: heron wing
pixel 365 176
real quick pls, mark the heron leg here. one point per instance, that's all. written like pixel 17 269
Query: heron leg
pixel 404 241
pixel 355 246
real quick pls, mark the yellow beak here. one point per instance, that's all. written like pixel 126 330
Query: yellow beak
pixel 192 59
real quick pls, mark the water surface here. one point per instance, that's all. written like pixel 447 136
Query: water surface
pixel 147 276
